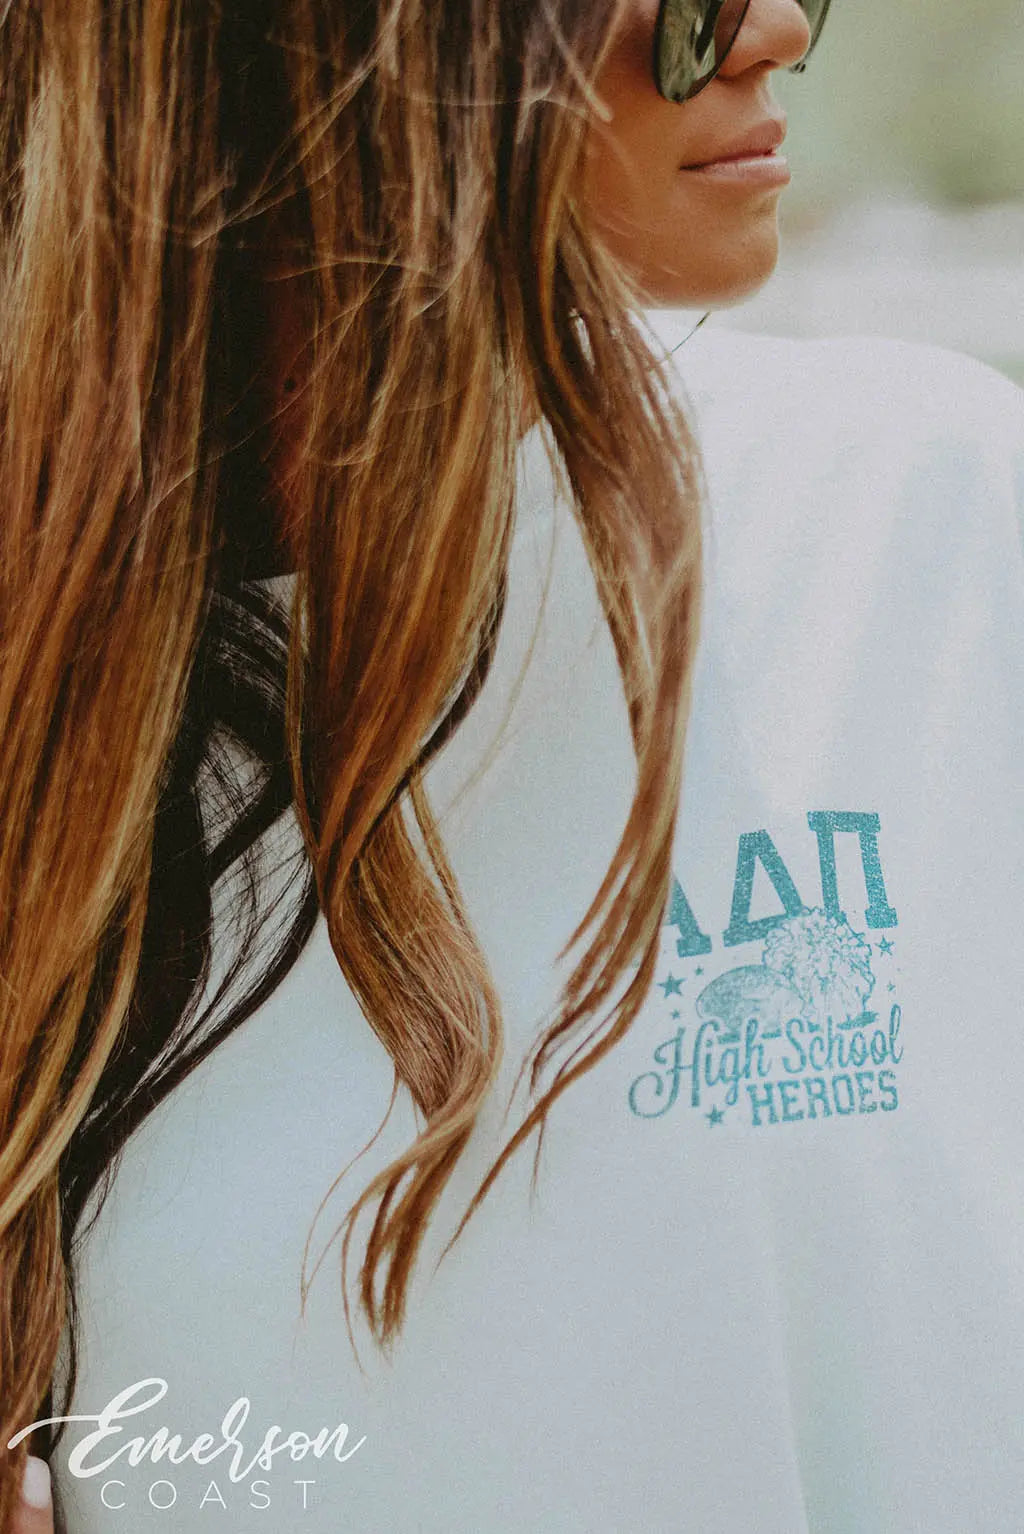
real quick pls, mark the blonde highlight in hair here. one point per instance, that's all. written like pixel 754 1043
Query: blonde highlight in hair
pixel 104 541
pixel 421 173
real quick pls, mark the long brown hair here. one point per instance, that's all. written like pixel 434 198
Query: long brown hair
pixel 425 162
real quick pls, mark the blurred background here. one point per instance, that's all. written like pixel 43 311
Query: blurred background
pixel 905 216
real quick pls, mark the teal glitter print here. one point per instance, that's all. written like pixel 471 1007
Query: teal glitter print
pixel 809 1028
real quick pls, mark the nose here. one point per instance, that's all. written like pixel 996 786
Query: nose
pixel 774 35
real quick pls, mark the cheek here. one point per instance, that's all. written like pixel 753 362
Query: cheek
pixel 683 241
pixel 642 143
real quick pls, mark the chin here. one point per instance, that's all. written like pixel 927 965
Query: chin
pixel 737 292
pixel 725 277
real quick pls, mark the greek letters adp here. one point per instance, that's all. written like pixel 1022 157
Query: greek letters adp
pixel 809 1027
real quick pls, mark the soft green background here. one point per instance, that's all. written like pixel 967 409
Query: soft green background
pixel 905 215
pixel 923 96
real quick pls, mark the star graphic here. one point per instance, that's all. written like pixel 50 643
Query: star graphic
pixel 891 986
pixel 676 1014
pixel 885 946
pixel 671 986
pixel 700 969
pixel 714 1117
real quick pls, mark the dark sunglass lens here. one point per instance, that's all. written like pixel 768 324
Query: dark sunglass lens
pixel 691 42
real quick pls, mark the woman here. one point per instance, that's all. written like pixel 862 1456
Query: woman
pixel 729 1306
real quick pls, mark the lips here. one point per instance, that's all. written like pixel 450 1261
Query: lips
pixel 763 139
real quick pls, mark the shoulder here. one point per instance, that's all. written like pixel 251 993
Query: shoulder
pixel 880 430
pixel 848 382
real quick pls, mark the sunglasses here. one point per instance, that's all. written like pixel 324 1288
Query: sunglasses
pixel 692 38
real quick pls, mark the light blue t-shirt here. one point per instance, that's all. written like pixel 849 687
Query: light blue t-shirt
pixel 773 1276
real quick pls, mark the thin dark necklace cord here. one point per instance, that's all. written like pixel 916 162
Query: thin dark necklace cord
pixel 690 333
